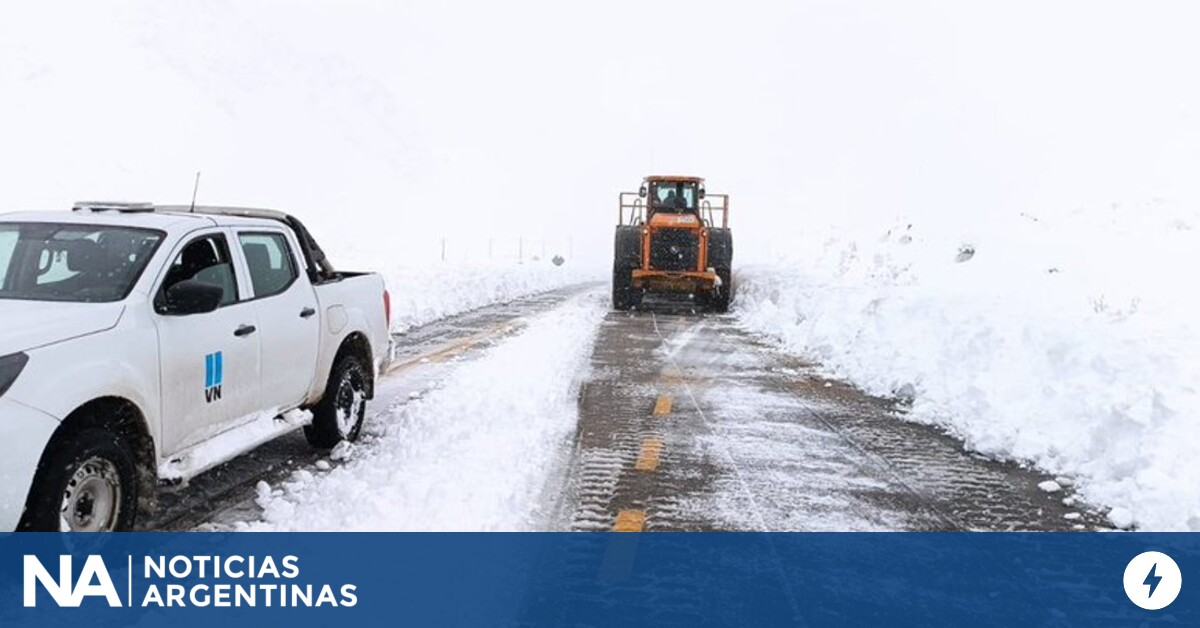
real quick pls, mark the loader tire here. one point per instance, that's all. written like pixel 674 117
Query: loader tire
pixel 720 258
pixel 627 255
pixel 627 247
pixel 719 301
pixel 720 248
pixel 624 296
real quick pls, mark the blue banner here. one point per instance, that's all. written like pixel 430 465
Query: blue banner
pixel 553 579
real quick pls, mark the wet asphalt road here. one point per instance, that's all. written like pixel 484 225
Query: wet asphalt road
pixel 689 423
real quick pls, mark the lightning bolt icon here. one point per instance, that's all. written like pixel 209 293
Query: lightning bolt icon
pixel 1152 580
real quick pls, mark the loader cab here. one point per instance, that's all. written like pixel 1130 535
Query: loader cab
pixel 676 197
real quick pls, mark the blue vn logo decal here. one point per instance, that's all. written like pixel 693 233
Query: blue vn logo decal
pixel 213 366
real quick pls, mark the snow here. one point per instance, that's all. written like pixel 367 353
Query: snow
pixel 1120 517
pixel 474 454
pixel 1050 486
pixel 1067 340
pixel 425 292
pixel 341 451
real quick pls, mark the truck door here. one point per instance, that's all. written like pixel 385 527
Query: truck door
pixel 209 363
pixel 287 312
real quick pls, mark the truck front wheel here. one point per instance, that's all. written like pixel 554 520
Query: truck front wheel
pixel 88 484
pixel 340 413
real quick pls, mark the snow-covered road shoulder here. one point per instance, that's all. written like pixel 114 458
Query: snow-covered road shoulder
pixel 426 292
pixel 1070 344
pixel 474 454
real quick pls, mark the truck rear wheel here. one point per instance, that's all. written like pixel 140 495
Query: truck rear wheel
pixel 88 484
pixel 340 413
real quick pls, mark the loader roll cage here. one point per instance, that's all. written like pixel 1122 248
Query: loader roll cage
pixel 631 210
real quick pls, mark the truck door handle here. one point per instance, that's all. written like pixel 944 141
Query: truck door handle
pixel 245 330
pixel 307 312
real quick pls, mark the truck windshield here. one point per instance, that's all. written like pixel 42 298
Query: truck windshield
pixel 79 263
pixel 673 196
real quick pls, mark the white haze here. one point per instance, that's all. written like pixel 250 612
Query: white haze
pixel 396 125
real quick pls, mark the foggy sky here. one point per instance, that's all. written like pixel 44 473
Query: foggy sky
pixel 399 124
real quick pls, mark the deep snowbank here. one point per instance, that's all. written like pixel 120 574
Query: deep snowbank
pixel 425 292
pixel 1071 342
pixel 474 454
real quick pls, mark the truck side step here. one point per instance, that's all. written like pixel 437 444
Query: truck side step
pixel 258 429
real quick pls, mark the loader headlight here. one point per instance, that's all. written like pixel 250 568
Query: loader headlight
pixel 10 367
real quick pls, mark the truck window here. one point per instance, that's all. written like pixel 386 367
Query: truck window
pixel 8 246
pixel 272 267
pixel 204 259
pixel 79 263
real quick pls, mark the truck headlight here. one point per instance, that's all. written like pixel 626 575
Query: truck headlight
pixel 10 367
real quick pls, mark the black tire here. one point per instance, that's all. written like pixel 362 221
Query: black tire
pixel 719 301
pixel 627 255
pixel 624 297
pixel 720 258
pixel 720 248
pixel 340 414
pixel 87 481
pixel 627 247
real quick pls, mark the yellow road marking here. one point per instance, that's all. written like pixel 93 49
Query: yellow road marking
pixel 630 521
pixel 662 407
pixel 448 352
pixel 648 456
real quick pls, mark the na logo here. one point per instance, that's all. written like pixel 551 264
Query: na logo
pixel 213 367
pixel 94 581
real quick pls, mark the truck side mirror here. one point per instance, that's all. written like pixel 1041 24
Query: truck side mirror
pixel 642 192
pixel 700 193
pixel 191 297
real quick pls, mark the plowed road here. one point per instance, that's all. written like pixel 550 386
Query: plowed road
pixel 688 423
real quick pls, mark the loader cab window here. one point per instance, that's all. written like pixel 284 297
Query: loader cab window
pixel 673 197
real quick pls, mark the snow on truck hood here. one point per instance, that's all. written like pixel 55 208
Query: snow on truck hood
pixel 32 324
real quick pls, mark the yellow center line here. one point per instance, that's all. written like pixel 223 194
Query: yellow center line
pixel 630 521
pixel 450 351
pixel 662 407
pixel 648 455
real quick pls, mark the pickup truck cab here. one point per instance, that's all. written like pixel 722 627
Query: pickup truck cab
pixel 142 345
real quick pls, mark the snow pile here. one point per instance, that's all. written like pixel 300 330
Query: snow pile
pixel 477 452
pixel 1070 342
pixel 425 292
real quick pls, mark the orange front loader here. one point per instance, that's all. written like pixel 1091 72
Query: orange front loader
pixel 671 238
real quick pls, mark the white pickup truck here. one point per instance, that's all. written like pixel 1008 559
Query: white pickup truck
pixel 141 345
